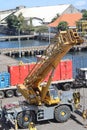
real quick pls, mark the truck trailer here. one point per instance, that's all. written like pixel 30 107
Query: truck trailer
pixel 62 78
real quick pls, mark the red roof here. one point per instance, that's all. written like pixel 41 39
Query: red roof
pixel 69 18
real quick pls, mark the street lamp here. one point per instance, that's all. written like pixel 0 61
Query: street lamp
pixel 49 34
pixel 19 42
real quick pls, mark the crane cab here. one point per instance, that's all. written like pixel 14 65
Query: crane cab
pixel 52 96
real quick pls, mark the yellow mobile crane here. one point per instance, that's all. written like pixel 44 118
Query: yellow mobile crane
pixel 31 89
pixel 43 102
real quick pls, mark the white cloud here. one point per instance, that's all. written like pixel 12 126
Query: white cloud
pixel 81 3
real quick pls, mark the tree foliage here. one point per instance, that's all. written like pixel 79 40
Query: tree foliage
pixel 57 15
pixel 15 23
pixel 83 10
pixel 84 14
pixel 41 29
pixel 62 26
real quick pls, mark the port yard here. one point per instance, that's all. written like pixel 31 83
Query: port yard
pixel 76 118
pixel 76 121
pixel 59 98
pixel 5 61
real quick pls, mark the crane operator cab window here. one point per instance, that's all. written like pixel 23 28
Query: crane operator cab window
pixel 53 92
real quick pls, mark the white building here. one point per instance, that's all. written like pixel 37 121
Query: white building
pixel 43 14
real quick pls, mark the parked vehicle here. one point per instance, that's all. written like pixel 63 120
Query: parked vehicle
pixel 81 78
pixel 16 74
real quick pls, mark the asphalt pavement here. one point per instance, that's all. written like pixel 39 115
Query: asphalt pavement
pixel 76 121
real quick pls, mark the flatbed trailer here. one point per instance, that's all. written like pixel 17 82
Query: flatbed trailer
pixel 9 92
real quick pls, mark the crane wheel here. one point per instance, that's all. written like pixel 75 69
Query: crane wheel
pixel 2 95
pixel 24 118
pixel 62 113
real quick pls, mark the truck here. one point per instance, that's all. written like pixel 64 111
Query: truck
pixel 44 101
pixel 81 78
pixel 6 89
pixel 16 74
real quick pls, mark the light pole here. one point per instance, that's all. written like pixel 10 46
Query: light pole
pixel 19 42
pixel 49 34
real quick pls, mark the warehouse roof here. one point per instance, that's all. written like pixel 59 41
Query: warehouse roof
pixel 71 19
pixel 47 13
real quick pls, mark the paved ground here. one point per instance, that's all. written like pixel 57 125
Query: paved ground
pixel 74 123
pixel 6 61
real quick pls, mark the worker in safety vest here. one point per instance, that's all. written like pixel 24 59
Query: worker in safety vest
pixel 32 126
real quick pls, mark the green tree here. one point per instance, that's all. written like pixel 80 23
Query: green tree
pixel 20 23
pixel 15 23
pixel 41 29
pixel 84 15
pixel 62 26
pixel 83 10
pixel 57 15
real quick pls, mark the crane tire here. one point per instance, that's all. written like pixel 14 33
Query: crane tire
pixel 62 113
pixel 24 118
pixel 9 93
pixel 2 95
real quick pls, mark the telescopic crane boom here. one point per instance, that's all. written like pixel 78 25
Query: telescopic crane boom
pixel 31 89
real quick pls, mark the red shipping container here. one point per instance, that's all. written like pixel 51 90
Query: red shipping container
pixel 69 69
pixel 56 76
pixel 63 70
pixel 23 72
pixel 31 66
pixel 47 77
pixel 14 74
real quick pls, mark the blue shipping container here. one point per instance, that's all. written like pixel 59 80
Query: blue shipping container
pixel 4 79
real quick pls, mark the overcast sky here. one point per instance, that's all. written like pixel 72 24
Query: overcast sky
pixel 10 4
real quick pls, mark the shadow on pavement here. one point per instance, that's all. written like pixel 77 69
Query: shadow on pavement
pixel 76 120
